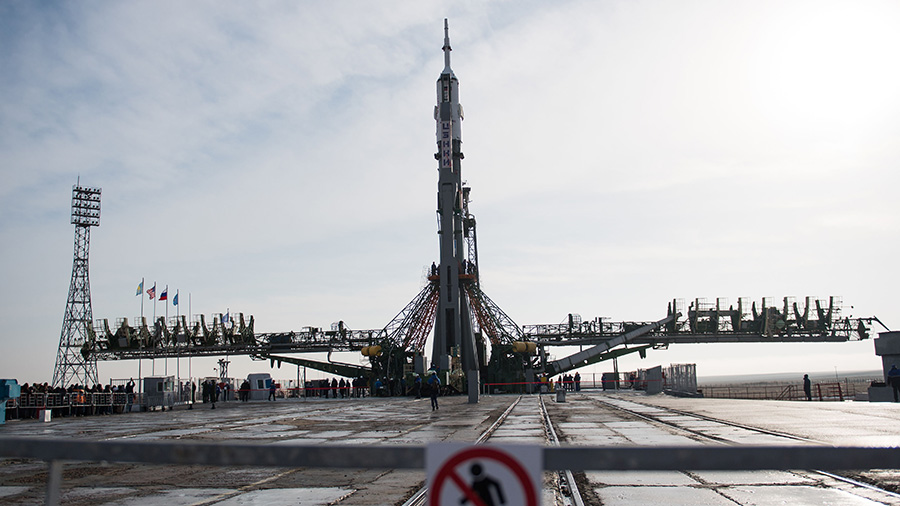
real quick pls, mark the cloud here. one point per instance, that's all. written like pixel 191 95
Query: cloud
pixel 277 158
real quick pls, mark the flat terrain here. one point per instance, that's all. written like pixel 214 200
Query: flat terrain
pixel 587 418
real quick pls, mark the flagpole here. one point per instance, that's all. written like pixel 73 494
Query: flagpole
pixel 155 298
pixel 141 361
pixel 190 371
pixel 166 322
pixel 177 349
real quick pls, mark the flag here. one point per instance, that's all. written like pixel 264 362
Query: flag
pixel 175 299
pixel 152 292
pixel 225 318
pixel 140 288
pixel 165 294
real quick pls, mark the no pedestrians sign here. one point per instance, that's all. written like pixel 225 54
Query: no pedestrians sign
pixel 484 475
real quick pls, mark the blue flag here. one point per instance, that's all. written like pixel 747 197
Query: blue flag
pixel 140 287
pixel 175 300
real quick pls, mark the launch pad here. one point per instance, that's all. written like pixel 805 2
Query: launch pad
pixel 473 340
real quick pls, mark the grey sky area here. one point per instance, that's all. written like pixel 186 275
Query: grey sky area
pixel 276 159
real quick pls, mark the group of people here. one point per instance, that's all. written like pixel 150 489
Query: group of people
pixel 334 389
pixel 465 267
pixel 75 400
pixel 572 383
pixel 211 390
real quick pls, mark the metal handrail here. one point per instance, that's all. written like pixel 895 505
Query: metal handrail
pixel 623 458
pixel 575 458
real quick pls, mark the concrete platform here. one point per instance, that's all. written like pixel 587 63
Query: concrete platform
pixel 586 418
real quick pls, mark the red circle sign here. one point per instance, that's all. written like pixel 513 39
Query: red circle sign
pixel 448 471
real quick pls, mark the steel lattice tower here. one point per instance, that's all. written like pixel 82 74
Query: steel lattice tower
pixel 72 367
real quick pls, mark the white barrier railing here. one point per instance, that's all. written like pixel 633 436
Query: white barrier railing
pixel 580 458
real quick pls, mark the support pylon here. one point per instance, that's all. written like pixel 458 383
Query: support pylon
pixel 72 366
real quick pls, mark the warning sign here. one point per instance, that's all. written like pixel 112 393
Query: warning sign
pixel 483 475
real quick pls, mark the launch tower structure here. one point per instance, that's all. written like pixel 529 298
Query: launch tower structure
pixel 73 366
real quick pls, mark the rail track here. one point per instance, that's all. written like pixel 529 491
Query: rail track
pixel 586 420
pixel 711 432
pixel 577 489
pixel 565 489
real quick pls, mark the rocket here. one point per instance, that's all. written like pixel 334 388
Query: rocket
pixel 453 325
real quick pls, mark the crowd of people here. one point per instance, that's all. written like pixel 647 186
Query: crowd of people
pixel 335 389
pixel 74 400
pixel 80 400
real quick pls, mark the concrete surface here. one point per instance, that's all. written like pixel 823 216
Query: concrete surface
pixel 586 418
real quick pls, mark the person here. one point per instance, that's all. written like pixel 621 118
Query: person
pixel 417 386
pixel 245 391
pixel 807 387
pixel 129 394
pixel 577 381
pixel 434 384
pixel 893 380
pixel 271 391
pixel 209 393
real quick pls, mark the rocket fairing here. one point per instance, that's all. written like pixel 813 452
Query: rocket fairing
pixel 447 112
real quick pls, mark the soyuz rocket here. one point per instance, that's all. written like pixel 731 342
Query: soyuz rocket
pixel 453 324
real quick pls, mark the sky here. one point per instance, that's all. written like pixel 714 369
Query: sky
pixel 276 159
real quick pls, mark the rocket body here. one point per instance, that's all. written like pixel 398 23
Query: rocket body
pixel 452 324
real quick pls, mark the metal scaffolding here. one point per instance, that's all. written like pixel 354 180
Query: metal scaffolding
pixel 75 364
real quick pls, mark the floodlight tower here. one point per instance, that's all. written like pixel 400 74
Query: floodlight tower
pixel 453 327
pixel 73 367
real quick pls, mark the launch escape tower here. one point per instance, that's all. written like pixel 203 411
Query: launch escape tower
pixel 73 367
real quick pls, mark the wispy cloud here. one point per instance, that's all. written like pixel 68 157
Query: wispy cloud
pixel 277 158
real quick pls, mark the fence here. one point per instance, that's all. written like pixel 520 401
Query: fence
pixel 833 391
pixel 76 403
pixel 621 458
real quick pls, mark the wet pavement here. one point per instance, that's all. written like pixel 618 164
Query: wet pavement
pixel 587 418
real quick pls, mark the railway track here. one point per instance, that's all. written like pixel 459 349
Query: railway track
pixel 578 489
pixel 586 420
pixel 565 488
pixel 711 430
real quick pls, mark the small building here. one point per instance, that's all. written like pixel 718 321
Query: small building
pixel 159 392
pixel 259 385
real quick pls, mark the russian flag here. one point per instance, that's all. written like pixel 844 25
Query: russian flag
pixel 165 294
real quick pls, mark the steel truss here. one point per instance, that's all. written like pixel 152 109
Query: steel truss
pixel 74 362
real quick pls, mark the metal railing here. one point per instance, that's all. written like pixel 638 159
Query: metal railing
pixel 834 391
pixel 621 458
